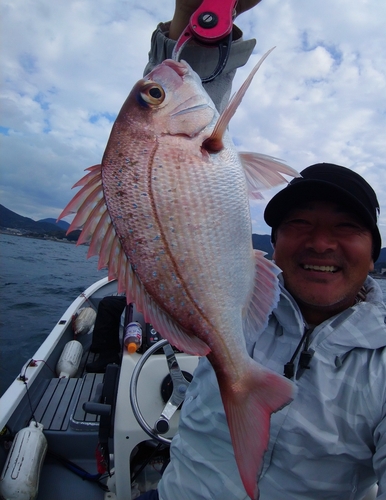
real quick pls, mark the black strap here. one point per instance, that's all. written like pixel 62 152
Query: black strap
pixel 305 357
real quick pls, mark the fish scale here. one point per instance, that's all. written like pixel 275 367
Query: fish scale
pixel 162 193
pixel 168 213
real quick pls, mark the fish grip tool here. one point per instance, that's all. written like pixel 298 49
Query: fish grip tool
pixel 180 386
pixel 210 24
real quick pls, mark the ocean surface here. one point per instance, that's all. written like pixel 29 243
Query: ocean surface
pixel 39 280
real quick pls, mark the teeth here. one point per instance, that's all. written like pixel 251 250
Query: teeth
pixel 325 269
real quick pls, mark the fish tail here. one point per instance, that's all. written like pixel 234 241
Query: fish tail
pixel 248 405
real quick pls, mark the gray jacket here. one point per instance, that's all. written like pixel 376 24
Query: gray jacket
pixel 330 442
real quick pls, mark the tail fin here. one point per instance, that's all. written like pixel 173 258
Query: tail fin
pixel 248 407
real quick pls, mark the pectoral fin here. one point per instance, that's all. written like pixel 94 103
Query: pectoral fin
pixel 264 172
pixel 265 295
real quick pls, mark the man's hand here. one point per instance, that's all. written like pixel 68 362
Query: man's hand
pixel 185 8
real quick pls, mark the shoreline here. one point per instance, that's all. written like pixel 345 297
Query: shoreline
pixel 38 237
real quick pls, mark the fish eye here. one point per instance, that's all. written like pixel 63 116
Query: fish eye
pixel 152 94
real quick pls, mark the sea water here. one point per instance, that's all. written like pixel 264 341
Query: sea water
pixel 39 280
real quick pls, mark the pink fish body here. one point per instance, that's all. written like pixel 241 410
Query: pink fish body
pixel 168 213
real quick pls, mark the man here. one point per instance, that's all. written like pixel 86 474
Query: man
pixel 326 238
pixel 327 334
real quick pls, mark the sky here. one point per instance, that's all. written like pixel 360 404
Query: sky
pixel 68 66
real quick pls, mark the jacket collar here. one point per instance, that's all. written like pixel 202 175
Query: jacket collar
pixel 360 326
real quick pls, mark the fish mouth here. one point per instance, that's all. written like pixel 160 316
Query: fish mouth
pixel 322 269
pixel 181 68
pixel 182 109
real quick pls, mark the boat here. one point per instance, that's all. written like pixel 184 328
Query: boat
pixel 66 433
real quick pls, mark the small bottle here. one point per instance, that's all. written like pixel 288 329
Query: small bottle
pixel 133 336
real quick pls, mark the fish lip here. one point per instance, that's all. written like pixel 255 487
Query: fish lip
pixel 183 69
pixel 180 67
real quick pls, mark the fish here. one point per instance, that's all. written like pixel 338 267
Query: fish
pixel 168 213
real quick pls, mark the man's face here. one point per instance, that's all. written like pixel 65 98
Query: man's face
pixel 325 254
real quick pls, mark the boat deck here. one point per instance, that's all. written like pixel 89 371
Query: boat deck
pixel 71 434
pixel 62 403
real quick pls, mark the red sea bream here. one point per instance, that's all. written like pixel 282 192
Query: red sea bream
pixel 168 213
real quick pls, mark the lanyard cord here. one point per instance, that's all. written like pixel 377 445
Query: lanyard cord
pixel 305 357
pixel 307 354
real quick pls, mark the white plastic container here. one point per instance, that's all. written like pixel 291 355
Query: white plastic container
pixel 69 360
pixel 20 477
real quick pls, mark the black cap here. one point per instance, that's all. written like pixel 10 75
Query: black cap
pixel 328 182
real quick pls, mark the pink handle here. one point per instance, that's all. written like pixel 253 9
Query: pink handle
pixel 213 20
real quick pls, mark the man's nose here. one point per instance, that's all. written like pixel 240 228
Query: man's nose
pixel 321 239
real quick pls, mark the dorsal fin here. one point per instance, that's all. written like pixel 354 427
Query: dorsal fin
pixel 214 143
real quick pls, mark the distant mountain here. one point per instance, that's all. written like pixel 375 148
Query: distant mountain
pixel 62 223
pixel 382 255
pixel 28 227
pixel 263 242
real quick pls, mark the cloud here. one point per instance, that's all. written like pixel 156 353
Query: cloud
pixel 320 95
pixel 69 65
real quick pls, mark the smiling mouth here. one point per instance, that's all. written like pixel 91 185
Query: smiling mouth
pixel 322 269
